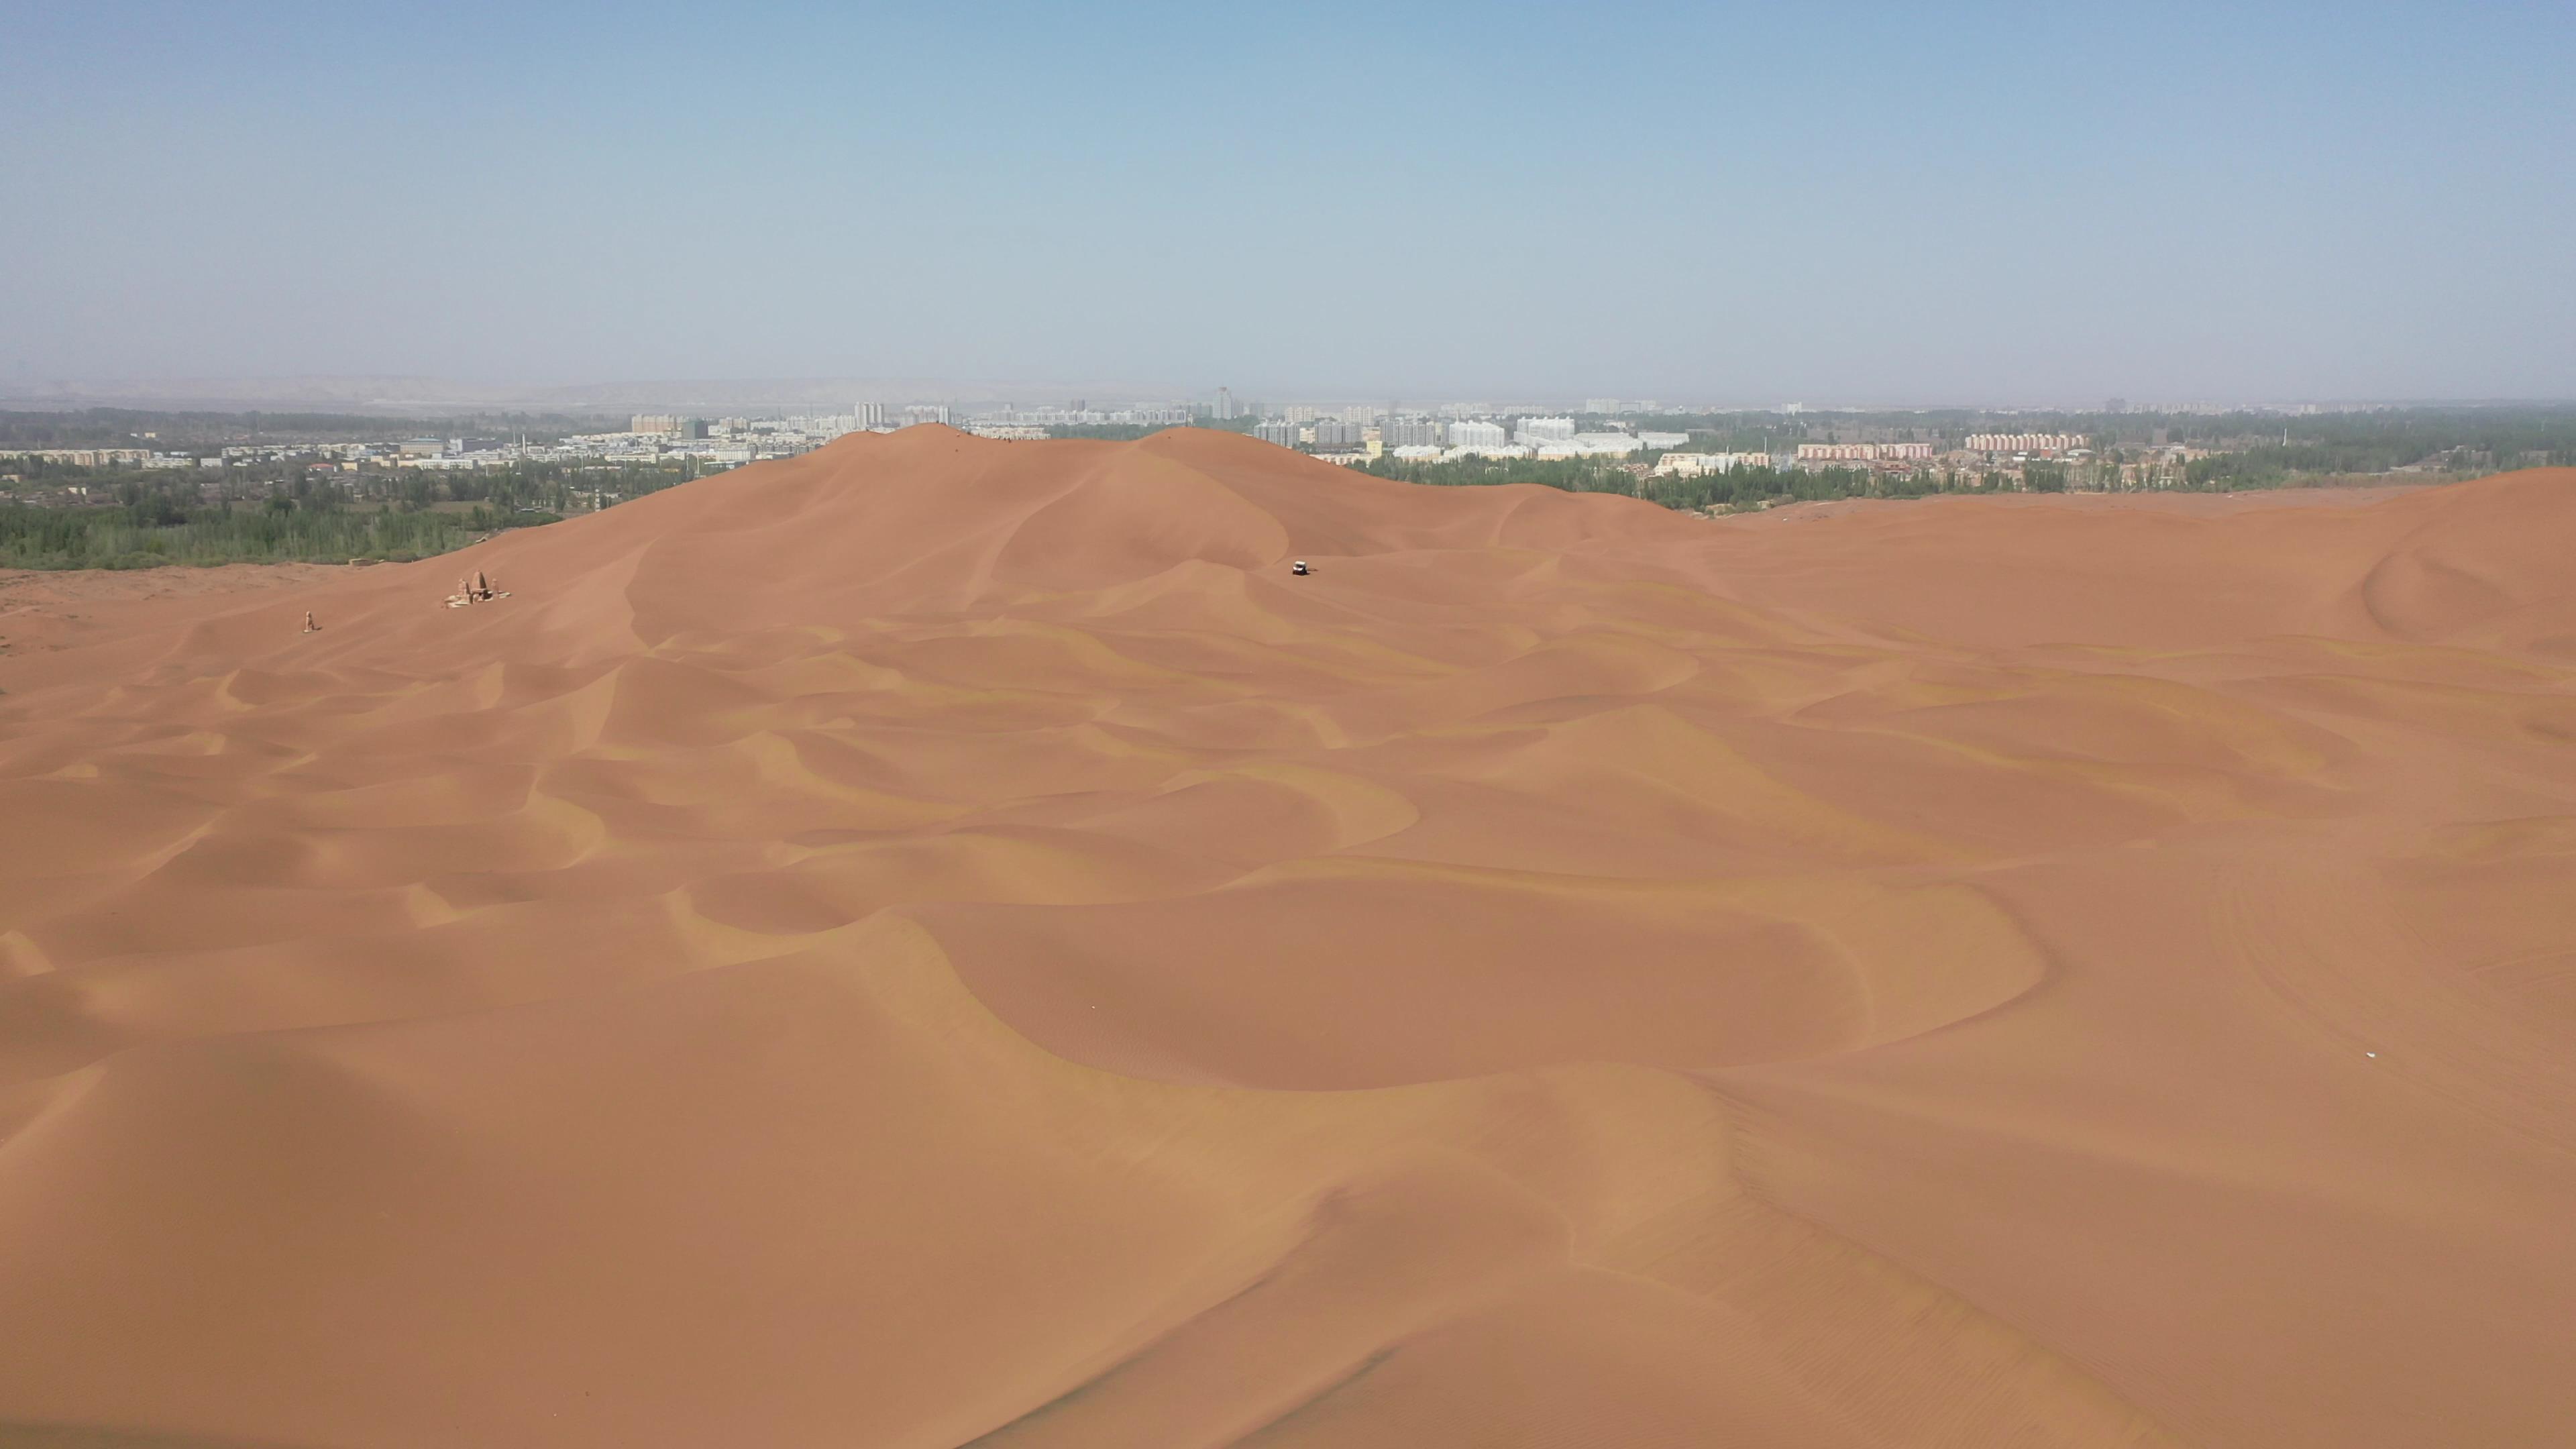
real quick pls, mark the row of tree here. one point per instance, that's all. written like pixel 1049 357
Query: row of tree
pixel 157 531
pixel 283 511
pixel 2359 441
pixel 1738 489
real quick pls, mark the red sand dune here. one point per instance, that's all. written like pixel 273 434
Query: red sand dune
pixel 943 942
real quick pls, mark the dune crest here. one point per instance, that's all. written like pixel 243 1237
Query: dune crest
pixel 945 942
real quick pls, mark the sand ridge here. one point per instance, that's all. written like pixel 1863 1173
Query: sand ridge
pixel 942 941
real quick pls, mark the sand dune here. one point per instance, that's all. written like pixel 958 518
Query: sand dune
pixel 944 942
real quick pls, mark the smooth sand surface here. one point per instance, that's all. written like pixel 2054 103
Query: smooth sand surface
pixel 941 942
pixel 42 610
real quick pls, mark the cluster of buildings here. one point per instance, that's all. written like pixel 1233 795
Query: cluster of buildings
pixel 1078 414
pixel 1418 437
pixel 154 460
pixel 1460 432
pixel 1611 428
pixel 1344 434
pixel 86 457
pixel 647 439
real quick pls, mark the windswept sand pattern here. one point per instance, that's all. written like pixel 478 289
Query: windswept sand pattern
pixel 941 942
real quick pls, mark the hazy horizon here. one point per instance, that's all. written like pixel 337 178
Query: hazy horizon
pixel 430 398
pixel 2004 205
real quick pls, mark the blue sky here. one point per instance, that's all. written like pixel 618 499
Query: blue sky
pixel 1978 202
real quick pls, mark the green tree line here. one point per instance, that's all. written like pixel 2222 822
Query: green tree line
pixel 156 532
pixel 1741 488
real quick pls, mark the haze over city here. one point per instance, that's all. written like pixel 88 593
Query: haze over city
pixel 1981 204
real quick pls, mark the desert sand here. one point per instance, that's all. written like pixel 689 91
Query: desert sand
pixel 944 942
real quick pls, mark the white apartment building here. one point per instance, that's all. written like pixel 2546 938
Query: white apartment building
pixel 1534 431
pixel 1607 445
pixel 1477 435
pixel 1694 465
pixel 1863 452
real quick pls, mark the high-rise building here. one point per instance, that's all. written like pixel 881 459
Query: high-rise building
pixel 1468 434
pixel 1225 404
pixel 1544 430
pixel 1276 430
pixel 1409 432
pixel 925 413
pixel 1338 433
pixel 866 415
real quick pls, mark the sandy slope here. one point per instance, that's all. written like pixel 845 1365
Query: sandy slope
pixel 946 942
